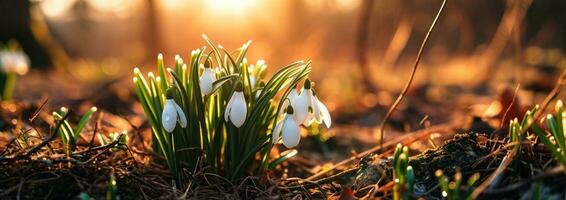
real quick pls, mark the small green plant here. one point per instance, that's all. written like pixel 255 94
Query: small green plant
pixel 112 190
pixel 220 106
pixel 453 190
pixel 553 136
pixel 68 135
pixel 120 138
pixel 403 174
pixel 13 62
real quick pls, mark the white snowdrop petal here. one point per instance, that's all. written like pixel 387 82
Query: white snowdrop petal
pixel 238 111
pixel 276 132
pixel 310 98
pixel 205 84
pixel 181 116
pixel 7 61
pixel 293 95
pixel 206 80
pixel 228 108
pixel 290 133
pixel 312 108
pixel 252 81
pixel 17 62
pixel 317 112
pixel 169 116
pixel 325 114
pixel 301 108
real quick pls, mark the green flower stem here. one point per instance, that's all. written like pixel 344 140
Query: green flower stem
pixel 9 86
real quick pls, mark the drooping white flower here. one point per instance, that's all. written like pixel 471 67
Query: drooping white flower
pixel 207 79
pixel 172 113
pixel 321 113
pixel 303 103
pixel 288 129
pixel 14 61
pixel 308 108
pixel 236 109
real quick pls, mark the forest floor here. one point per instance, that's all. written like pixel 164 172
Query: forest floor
pixel 344 162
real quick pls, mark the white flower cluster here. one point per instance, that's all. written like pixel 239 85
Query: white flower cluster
pixel 14 61
pixel 302 108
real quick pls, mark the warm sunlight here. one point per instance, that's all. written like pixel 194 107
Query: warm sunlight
pixel 229 7
pixel 333 99
pixel 56 8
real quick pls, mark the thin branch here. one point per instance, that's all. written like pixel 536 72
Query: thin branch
pixel 555 91
pixel 502 122
pixel 38 110
pixel 408 84
pixel 40 145
pixel 310 184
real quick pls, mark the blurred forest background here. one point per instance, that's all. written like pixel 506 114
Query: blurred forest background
pixel 362 50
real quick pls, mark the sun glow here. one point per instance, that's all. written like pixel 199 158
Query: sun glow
pixel 229 6
pixel 56 8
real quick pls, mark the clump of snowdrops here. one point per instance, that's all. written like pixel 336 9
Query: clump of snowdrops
pixel 13 62
pixel 218 106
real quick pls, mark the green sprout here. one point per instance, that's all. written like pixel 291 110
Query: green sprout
pixel 452 190
pixel 403 174
pixel 553 136
pixel 220 107
pixel 112 189
pixel 13 62
pixel 120 138
pixel 70 136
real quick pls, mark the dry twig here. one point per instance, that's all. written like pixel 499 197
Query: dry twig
pixel 413 72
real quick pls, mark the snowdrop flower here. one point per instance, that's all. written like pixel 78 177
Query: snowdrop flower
pixel 303 103
pixel 320 113
pixel 236 109
pixel 14 61
pixel 207 78
pixel 172 113
pixel 288 129
pixel 308 108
